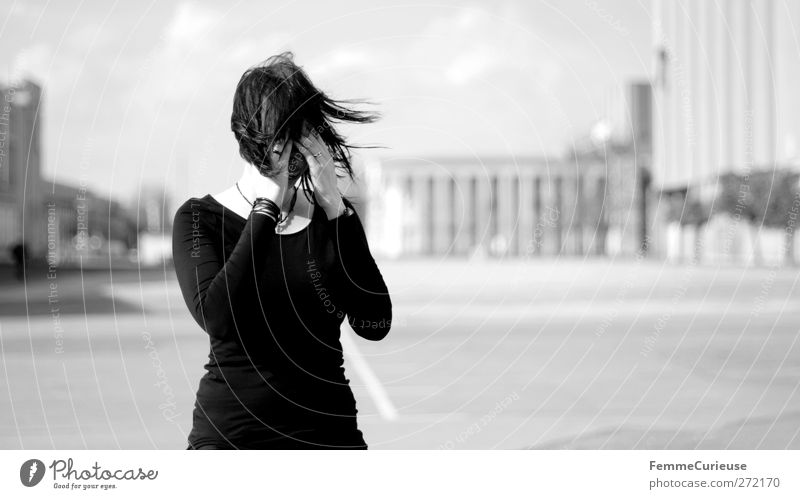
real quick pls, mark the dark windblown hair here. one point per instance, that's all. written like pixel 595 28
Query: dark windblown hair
pixel 275 97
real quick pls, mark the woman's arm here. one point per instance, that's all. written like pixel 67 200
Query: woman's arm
pixel 364 296
pixel 211 287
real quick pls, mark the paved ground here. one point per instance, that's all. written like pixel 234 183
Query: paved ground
pixel 533 354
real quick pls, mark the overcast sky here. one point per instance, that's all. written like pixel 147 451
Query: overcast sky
pixel 141 92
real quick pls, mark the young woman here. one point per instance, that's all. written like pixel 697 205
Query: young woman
pixel 270 274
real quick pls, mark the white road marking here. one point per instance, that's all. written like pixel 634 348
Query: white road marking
pixel 367 375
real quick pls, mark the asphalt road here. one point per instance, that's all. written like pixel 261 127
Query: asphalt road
pixel 519 354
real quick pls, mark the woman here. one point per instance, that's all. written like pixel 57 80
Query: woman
pixel 270 274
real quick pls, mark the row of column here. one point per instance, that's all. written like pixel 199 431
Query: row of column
pixel 496 214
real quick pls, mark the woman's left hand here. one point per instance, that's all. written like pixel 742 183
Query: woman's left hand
pixel 323 172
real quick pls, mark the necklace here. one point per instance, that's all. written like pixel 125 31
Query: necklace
pixel 282 218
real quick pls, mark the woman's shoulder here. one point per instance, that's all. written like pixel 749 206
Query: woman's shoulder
pixel 195 202
pixel 193 207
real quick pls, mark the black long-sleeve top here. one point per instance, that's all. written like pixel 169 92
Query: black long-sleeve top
pixel 272 306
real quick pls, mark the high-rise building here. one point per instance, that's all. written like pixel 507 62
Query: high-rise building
pixel 725 103
pixel 153 204
pixel 21 193
pixel 723 90
pixel 621 139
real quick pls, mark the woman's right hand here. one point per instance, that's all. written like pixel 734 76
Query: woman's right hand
pixel 273 188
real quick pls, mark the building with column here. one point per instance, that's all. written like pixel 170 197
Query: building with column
pixel 485 207
pixel 590 201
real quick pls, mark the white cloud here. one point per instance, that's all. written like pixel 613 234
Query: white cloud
pixel 190 24
pixel 464 20
pixel 33 61
pixel 22 9
pixel 470 64
pixel 471 43
pixel 339 60
pixel 196 50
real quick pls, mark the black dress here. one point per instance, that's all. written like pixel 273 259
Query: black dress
pixel 272 306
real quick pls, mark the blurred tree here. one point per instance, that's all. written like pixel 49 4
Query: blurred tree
pixel 765 198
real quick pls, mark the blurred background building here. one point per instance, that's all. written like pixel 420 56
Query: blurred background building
pixel 85 228
pixel 697 160
pixel 57 223
pixel 589 201
pixel 725 129
pixel 21 191
pixel 536 152
pixel 477 207
pixel 154 209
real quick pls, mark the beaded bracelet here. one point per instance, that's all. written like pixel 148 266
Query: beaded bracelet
pixel 266 206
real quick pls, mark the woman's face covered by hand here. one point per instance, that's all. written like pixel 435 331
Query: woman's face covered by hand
pixel 297 165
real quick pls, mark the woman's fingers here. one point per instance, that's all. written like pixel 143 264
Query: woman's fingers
pixel 313 140
pixel 312 161
pixel 318 150
pixel 307 142
pixel 316 142
pixel 278 147
pixel 281 153
pixel 286 153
